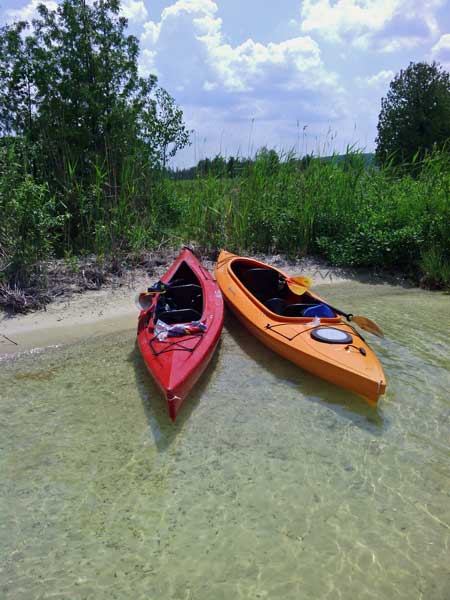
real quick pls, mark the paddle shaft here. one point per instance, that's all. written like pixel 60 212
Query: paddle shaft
pixel 348 316
pixel 361 321
pixel 291 283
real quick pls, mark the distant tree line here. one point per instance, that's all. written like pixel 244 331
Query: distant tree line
pixel 266 161
pixel 413 122
pixel 218 166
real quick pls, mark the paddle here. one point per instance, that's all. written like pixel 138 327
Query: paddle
pixel 299 285
pixel 361 321
pixel 143 300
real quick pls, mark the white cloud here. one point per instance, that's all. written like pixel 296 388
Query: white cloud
pixel 378 82
pixel 134 10
pixel 29 11
pixel 151 33
pixel 190 51
pixel 441 51
pixel 147 63
pixel 223 88
pixel 335 21
pixel 209 86
pixel 383 25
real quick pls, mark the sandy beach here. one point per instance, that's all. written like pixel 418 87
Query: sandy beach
pixel 92 313
pixel 112 307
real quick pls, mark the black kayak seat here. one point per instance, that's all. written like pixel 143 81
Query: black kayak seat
pixel 262 283
pixel 184 315
pixel 186 296
pixel 276 305
pixel 295 310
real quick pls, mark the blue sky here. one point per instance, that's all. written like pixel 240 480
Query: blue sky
pixel 306 75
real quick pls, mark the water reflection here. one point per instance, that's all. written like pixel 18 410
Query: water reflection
pixel 308 386
pixel 163 429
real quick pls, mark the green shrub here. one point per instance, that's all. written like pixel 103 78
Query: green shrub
pixel 375 247
pixel 341 208
pixel 29 224
pixel 435 268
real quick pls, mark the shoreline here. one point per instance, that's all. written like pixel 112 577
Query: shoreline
pixel 77 315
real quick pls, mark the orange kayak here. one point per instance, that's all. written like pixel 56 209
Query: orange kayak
pixel 301 328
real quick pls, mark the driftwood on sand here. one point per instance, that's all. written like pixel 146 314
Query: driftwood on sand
pixel 60 279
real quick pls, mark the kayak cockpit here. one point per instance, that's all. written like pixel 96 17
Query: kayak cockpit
pixel 182 301
pixel 178 330
pixel 269 287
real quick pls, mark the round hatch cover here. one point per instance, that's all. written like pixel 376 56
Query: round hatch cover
pixel 331 335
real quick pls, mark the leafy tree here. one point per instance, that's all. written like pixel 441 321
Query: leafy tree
pixel 218 166
pixel 162 126
pixel 306 161
pixel 231 167
pixel 91 126
pixel 268 161
pixel 204 167
pixel 72 85
pixel 16 89
pixel 415 115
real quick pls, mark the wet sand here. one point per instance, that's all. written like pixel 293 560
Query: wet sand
pixel 92 313
pixel 112 308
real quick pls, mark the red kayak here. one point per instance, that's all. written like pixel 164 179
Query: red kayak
pixel 179 327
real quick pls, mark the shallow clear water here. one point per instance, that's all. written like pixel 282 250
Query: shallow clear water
pixel 272 484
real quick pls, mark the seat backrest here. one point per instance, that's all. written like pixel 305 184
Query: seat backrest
pixel 276 305
pixel 186 296
pixel 295 310
pixel 261 282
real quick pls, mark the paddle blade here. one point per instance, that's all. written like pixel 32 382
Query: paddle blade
pixel 298 285
pixel 143 300
pixel 297 289
pixel 367 325
pixel 304 281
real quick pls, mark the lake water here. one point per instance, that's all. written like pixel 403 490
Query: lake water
pixel 272 484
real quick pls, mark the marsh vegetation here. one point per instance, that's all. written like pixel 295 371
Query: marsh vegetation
pixel 84 145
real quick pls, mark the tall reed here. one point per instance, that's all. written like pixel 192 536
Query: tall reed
pixel 340 207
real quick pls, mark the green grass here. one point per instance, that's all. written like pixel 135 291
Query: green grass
pixel 343 209
pixel 348 212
